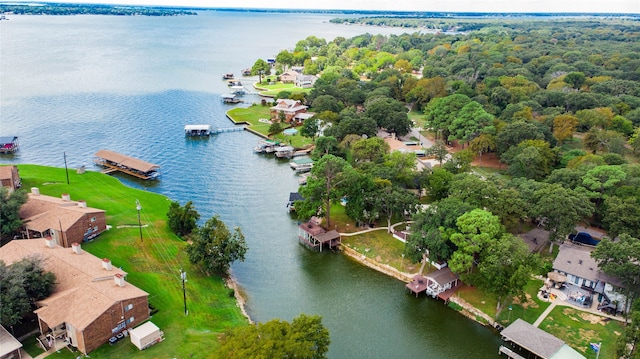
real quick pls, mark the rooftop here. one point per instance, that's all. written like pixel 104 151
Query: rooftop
pixel 84 288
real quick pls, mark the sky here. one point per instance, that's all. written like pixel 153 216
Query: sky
pixel 546 6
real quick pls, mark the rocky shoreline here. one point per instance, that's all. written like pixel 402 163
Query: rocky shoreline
pixel 467 310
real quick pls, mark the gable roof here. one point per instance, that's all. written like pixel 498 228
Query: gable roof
pixel 8 343
pixel 126 161
pixel 84 289
pixel 443 276
pixel 42 212
pixel 576 260
pixel 532 338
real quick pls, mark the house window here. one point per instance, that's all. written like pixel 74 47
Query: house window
pixel 576 280
pixel 128 307
pixel 118 329
pixel 130 320
pixel 93 219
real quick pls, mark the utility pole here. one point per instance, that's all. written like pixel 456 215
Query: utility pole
pixel 183 276
pixel 65 166
pixel 139 207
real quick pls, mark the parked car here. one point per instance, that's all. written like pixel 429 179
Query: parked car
pixel 583 238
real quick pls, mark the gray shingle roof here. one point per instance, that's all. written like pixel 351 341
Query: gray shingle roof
pixel 532 338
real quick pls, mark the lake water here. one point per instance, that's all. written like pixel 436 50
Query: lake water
pixel 74 85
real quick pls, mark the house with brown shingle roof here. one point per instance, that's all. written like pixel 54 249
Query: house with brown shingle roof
pixel 290 108
pixel 62 219
pixel 91 301
pixel 10 178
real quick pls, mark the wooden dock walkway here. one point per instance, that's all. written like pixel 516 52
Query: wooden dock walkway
pixel 228 129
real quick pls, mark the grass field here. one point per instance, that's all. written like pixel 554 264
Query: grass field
pixel 578 329
pixel 153 264
pixel 252 116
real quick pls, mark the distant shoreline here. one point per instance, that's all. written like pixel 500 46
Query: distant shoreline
pixel 45 8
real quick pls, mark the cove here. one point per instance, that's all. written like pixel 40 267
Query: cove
pixel 75 85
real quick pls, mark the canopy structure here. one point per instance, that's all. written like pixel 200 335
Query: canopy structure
pixel 118 162
pixel 557 277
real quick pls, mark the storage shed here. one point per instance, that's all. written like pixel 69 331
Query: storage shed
pixel 145 335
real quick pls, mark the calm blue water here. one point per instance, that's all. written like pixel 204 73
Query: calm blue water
pixel 75 85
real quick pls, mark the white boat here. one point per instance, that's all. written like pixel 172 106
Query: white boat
pixel 285 151
pixel 266 146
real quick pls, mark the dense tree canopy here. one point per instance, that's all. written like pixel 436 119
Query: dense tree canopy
pixel 305 337
pixel 10 204
pixel 215 248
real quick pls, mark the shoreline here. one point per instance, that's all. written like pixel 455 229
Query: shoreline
pixel 467 310
pixel 240 300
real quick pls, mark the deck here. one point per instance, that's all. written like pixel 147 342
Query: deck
pixel 417 285
pixel 113 161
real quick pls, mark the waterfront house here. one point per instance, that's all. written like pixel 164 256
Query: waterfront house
pixel 290 108
pixel 289 77
pixel 583 274
pixel 442 283
pixel 62 219
pixel 305 81
pixel 10 178
pixel 524 340
pixel 91 301
pixel 314 236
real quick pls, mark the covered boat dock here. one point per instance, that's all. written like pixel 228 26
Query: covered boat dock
pixel 9 144
pixel 526 340
pixel 314 236
pixel 114 161
pixel 197 130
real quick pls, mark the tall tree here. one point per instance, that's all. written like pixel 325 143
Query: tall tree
pixel 469 122
pixel 320 189
pixel 10 204
pixel 391 200
pixel 215 248
pixel 260 68
pixel 305 337
pixel 506 267
pixel 182 220
pixel 22 284
pixel 476 230
pixel 431 230
pixel 559 209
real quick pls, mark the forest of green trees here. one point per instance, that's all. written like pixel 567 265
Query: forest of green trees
pixel 556 102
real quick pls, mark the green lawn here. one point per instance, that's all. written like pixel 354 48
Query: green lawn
pixel 273 90
pixel 578 329
pixel 153 264
pixel 252 116
pixel 528 310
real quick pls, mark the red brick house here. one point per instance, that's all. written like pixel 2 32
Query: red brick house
pixel 91 301
pixel 10 178
pixel 64 220
pixel 290 108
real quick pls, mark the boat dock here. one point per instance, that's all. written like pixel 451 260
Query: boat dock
pixel 9 144
pixel 113 161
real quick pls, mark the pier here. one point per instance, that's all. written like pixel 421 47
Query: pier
pixel 113 161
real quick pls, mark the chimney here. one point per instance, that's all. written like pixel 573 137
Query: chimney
pixel 76 247
pixel 66 197
pixel 106 264
pixel 35 191
pixel 50 242
pixel 82 204
pixel 119 279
